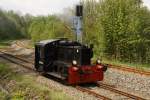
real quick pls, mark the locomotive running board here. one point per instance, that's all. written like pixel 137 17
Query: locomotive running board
pixel 56 75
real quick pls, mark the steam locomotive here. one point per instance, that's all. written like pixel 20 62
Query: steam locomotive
pixel 70 61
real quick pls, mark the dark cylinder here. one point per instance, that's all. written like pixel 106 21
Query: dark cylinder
pixel 79 10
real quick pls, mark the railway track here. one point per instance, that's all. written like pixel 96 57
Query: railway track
pixel 29 65
pixel 17 60
pixel 25 63
pixel 20 44
pixel 134 70
pixel 110 88
pixel 92 93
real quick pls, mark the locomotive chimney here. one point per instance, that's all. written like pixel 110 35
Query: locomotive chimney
pixel 78 22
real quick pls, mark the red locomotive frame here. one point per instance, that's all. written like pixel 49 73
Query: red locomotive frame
pixel 89 74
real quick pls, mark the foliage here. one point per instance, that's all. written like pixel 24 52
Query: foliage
pixel 47 27
pixel 93 32
pixel 3 70
pixel 12 25
pixel 119 28
pixel 4 96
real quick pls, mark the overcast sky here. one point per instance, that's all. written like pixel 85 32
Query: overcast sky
pixel 41 7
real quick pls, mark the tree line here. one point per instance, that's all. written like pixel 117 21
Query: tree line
pixel 12 25
pixel 119 29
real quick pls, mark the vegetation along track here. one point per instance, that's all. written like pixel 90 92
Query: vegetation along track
pixel 128 69
pixel 111 88
pixel 12 58
pixel 27 64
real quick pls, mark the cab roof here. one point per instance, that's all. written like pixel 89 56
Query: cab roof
pixel 44 42
pixel 60 42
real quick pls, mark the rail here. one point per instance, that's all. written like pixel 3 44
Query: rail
pixel 128 69
pixel 108 87
pixel 92 93
pixel 11 58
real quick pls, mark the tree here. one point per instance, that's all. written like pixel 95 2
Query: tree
pixel 119 27
pixel 11 25
pixel 47 27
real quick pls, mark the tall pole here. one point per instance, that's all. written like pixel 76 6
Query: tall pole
pixel 78 27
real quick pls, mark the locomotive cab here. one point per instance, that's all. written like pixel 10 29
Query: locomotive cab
pixel 69 51
pixel 67 60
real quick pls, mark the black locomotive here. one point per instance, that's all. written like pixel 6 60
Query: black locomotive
pixel 67 60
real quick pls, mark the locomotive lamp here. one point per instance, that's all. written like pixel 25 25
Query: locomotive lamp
pixel 74 63
pixel 98 62
pixel 100 65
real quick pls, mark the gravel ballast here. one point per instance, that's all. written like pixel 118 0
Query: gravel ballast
pixel 126 81
pixel 130 82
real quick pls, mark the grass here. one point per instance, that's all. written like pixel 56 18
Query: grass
pixel 31 45
pixel 2 96
pixel 5 43
pixel 127 64
pixel 134 65
pixel 25 87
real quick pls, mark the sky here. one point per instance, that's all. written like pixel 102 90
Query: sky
pixel 147 3
pixel 42 7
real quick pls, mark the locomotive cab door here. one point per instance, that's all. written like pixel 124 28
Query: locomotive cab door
pixel 39 57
